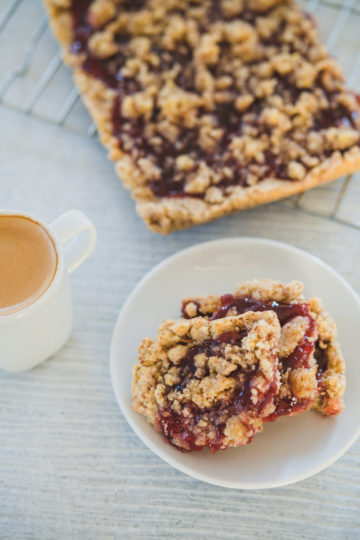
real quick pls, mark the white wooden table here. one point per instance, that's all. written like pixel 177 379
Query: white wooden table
pixel 70 466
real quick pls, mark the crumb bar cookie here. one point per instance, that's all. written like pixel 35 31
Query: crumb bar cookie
pixel 209 383
pixel 311 363
pixel 209 106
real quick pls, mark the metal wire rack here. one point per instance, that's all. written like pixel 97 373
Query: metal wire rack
pixel 34 80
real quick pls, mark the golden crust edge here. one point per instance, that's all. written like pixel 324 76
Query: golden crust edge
pixel 169 215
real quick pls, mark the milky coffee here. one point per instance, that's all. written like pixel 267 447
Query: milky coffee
pixel 28 262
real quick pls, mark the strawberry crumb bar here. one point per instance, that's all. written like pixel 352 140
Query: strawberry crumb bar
pixel 310 360
pixel 209 106
pixel 209 383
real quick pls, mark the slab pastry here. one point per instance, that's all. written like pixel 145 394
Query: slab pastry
pixel 209 383
pixel 311 364
pixel 209 106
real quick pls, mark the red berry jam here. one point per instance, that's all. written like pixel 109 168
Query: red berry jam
pixel 284 312
pixel 321 359
pixel 209 347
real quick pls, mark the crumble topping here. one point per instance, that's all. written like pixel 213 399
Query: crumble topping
pixel 305 328
pixel 208 383
pixel 215 94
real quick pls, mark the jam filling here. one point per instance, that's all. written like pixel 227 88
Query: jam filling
pixel 108 71
pixel 321 360
pixel 299 358
pixel 284 312
pixel 287 407
pixel 335 117
pixel 209 347
pixel 82 29
pixel 174 424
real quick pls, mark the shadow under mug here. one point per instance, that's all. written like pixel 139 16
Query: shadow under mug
pixel 30 335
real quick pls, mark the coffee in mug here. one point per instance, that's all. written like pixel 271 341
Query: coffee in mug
pixel 28 261
pixel 36 260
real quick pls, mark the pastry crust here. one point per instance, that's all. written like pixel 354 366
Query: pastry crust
pixel 324 382
pixel 208 384
pixel 166 214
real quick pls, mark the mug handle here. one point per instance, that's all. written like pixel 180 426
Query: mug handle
pixel 77 235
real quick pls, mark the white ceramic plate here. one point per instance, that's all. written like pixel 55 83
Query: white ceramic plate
pixel 289 449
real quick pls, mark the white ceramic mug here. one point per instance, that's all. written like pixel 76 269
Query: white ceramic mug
pixel 31 335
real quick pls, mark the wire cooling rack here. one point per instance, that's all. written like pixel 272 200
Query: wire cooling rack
pixel 34 80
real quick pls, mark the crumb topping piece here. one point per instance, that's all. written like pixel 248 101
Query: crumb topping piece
pixel 209 383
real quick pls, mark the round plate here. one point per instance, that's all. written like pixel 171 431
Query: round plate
pixel 289 449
